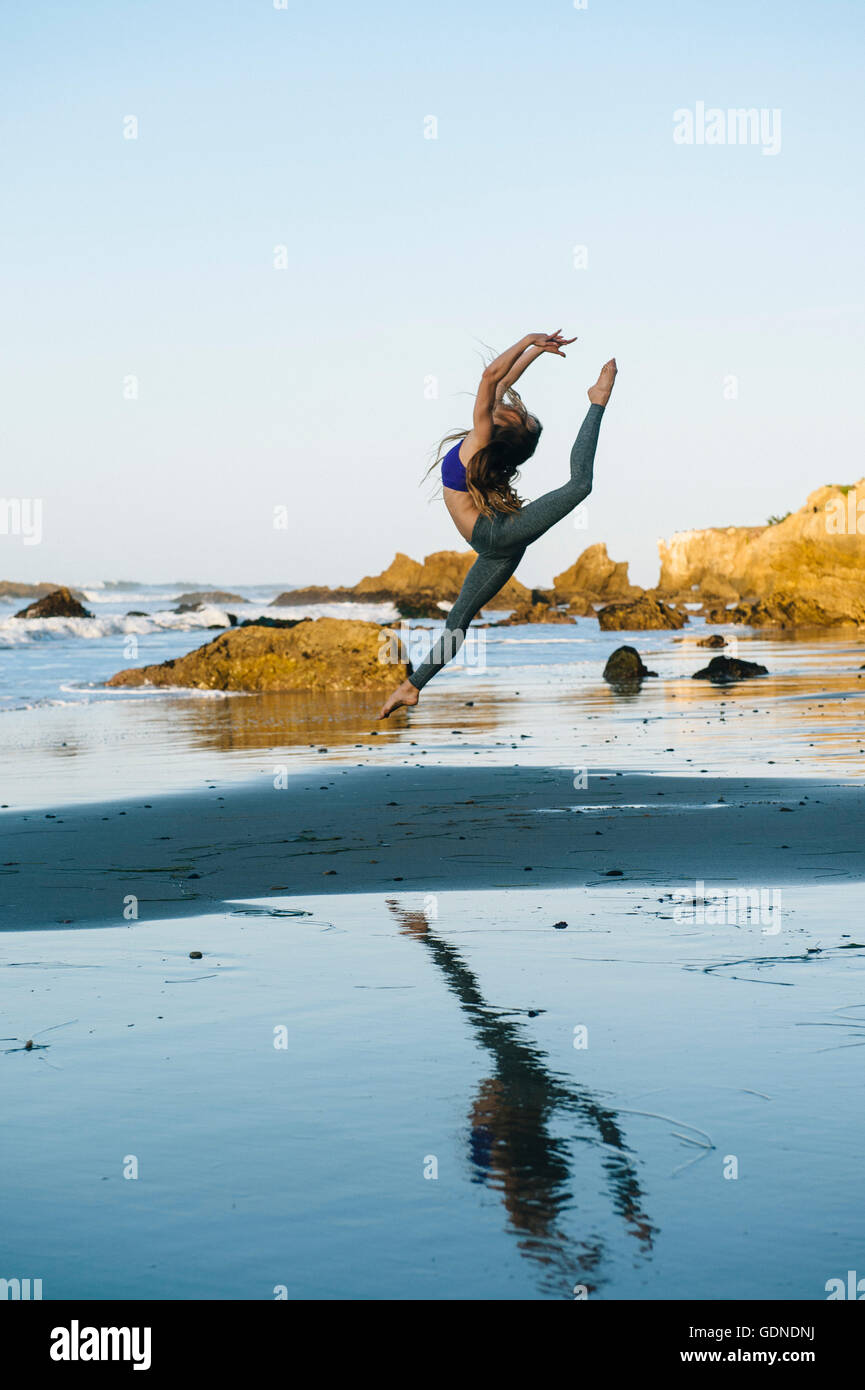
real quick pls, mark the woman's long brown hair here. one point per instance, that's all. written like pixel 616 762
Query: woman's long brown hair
pixel 491 471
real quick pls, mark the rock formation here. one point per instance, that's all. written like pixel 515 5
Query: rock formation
pixel 10 588
pixel 320 654
pixel 187 601
pixel 402 574
pixel 593 575
pixel 715 613
pixel 722 669
pixel 581 607
pixel 625 667
pixel 717 556
pixel 815 555
pixel 712 588
pixel 639 615
pixel 440 575
pixel 535 613
pixel 60 603
pixel 313 593
pixel 419 603
pixel 272 622
pixel 785 611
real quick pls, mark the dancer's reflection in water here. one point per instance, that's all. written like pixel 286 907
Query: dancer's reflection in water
pixel 511 1145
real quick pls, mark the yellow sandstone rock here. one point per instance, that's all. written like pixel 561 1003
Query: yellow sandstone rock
pixel 440 576
pixel 595 575
pixel 816 555
pixel 441 573
pixel 319 654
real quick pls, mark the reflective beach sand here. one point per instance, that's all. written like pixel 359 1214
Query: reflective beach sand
pixel 384 1097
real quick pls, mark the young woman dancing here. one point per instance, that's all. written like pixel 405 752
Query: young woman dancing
pixel 477 476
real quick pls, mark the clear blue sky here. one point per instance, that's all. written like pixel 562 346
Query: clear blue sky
pixel 305 387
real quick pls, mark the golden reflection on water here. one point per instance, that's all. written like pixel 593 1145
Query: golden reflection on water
pixel 821 711
pixel 807 715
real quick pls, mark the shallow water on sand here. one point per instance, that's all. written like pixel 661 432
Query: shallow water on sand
pixel 539 696
pixel 438 1035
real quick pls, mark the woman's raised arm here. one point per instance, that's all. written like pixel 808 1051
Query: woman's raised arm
pixel 501 372
pixel 525 360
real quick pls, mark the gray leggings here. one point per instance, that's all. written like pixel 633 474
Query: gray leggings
pixel 501 541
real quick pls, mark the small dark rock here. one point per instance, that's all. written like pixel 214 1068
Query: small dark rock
pixel 722 669
pixel 273 622
pixel 625 667
pixel 60 603
pixel 418 603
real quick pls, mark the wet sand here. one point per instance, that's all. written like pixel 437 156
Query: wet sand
pixel 383 1096
pixel 365 830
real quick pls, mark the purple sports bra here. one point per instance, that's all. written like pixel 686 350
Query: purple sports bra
pixel 453 471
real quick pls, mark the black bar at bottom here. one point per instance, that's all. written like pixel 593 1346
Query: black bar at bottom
pixel 83 1338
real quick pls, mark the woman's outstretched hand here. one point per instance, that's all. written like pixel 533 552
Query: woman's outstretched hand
pixel 552 342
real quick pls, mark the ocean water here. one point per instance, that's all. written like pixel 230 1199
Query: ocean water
pixel 58 660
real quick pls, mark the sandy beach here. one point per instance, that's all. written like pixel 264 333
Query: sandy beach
pixel 541 987
pixel 430 828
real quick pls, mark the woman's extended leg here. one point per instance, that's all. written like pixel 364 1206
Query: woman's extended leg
pixel 487 575
pixel 502 540
pixel 522 527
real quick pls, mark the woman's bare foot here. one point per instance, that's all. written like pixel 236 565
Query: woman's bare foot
pixel 405 694
pixel 600 393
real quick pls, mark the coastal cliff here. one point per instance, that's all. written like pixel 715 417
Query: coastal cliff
pixel 816 554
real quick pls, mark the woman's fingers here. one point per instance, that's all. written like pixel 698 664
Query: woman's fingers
pixel 554 342
pixel 557 337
